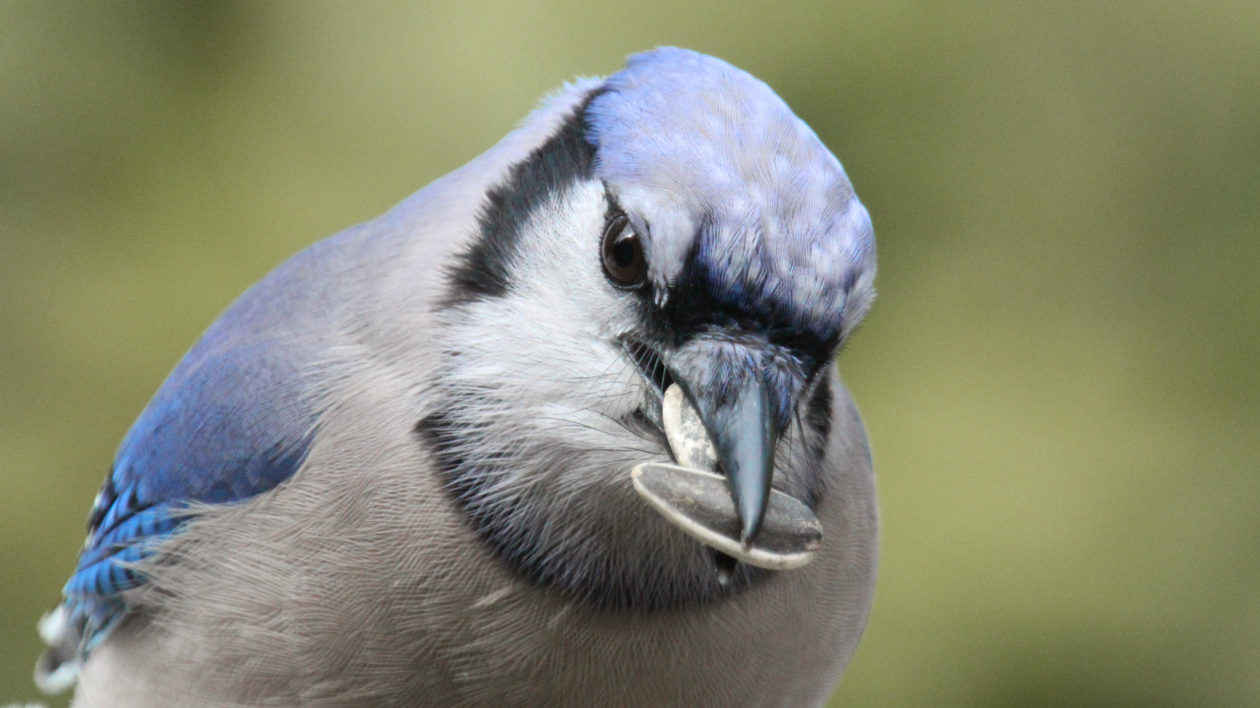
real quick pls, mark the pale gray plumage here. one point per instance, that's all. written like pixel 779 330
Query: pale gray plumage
pixel 438 411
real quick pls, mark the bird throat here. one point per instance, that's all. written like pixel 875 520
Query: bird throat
pixel 601 546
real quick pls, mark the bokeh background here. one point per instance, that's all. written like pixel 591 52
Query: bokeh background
pixel 1060 377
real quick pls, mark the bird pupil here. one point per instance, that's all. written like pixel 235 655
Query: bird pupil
pixel 623 252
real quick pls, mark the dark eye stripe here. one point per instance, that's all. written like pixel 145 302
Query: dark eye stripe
pixel 483 270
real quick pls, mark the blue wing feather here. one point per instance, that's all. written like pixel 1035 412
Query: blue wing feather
pixel 232 421
pixel 212 435
pixel 151 522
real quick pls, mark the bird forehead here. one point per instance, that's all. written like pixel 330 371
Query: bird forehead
pixel 727 179
pixel 693 134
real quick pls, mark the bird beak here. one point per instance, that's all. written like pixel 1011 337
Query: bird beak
pixel 735 409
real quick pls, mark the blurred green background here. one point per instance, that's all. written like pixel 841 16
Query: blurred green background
pixel 1061 377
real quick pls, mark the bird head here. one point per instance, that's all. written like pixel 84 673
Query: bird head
pixel 677 225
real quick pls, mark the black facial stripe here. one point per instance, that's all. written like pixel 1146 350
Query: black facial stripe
pixel 696 304
pixel 818 420
pixel 649 363
pixel 525 552
pixel 818 412
pixel 483 270
pixel 438 434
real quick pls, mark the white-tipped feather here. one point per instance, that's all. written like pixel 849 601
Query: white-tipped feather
pixel 60 680
pixel 54 629
pixel 52 626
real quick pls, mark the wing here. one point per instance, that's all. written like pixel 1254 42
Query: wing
pixel 233 420
pixel 224 428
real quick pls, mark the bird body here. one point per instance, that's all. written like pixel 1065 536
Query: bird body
pixel 396 471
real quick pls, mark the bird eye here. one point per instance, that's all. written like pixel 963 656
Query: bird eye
pixel 623 253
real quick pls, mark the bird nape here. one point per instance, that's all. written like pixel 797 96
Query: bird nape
pixel 564 427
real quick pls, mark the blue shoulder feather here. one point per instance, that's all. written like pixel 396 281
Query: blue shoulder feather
pixel 233 420
pixel 223 428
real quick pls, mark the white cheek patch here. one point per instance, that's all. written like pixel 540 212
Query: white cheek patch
pixel 697 500
pixel 549 313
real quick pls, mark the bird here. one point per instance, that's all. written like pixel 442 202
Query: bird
pixel 398 469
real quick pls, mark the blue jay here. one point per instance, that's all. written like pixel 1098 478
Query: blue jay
pixel 398 469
